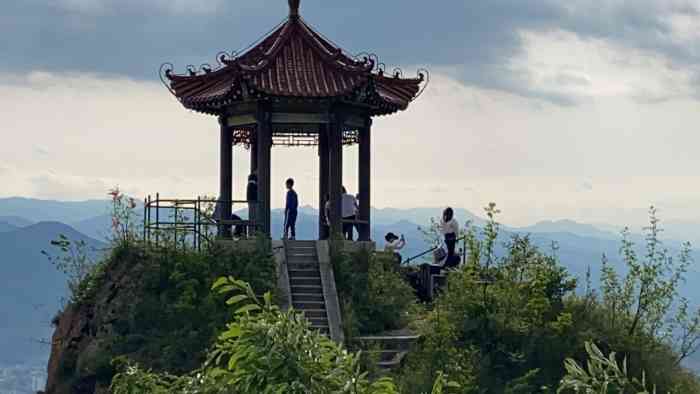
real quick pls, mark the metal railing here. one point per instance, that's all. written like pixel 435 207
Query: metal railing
pixel 463 239
pixel 194 221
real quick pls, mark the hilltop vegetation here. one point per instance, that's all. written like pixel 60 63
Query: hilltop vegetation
pixel 146 320
pixel 507 324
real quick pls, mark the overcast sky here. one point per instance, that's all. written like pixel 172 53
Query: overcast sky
pixel 581 109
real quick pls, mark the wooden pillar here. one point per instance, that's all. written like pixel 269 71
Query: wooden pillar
pixel 253 155
pixel 323 177
pixel 335 173
pixel 365 183
pixel 225 175
pixel 264 162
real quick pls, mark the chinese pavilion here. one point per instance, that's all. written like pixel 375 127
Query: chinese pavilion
pixel 295 87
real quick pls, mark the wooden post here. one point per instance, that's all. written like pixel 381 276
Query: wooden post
pixel 264 162
pixel 335 173
pixel 253 155
pixel 365 173
pixel 225 176
pixel 323 177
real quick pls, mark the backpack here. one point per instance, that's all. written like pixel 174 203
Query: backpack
pixel 439 254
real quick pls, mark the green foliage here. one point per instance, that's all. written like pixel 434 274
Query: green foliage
pixel 75 259
pixel 603 375
pixel 173 316
pixel 374 296
pixel 645 301
pixel 263 350
pixel 124 223
pixel 506 323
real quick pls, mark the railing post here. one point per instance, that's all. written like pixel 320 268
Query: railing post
pixel 145 210
pixel 157 218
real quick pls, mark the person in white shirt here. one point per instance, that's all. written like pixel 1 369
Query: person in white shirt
pixel 349 203
pixel 449 227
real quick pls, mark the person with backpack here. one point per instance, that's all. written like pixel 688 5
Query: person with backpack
pixel 290 211
pixel 449 227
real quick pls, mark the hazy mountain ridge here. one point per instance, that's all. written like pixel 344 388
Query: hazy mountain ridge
pixel 32 289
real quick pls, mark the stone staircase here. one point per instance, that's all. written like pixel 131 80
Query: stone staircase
pixel 305 282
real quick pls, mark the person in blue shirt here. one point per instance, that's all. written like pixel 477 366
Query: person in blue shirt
pixel 290 211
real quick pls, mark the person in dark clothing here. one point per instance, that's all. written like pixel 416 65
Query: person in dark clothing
pixel 238 230
pixel 251 196
pixel 290 211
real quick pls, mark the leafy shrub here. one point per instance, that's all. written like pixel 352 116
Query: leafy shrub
pixel 173 316
pixel 603 375
pixel 263 350
pixel 374 296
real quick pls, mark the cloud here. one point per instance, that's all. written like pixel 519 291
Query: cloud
pixel 49 186
pixel 476 40
pixel 561 62
pixel 115 7
pixel 40 151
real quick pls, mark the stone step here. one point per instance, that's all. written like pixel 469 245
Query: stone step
pixel 301 259
pixel 310 273
pixel 301 242
pixel 322 329
pixel 315 304
pixel 307 289
pixel 308 265
pixel 318 322
pixel 396 342
pixel 305 281
pixel 314 313
pixel 383 355
pixel 304 248
pixel 393 362
pixel 307 297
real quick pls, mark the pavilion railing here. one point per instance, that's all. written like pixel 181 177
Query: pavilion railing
pixel 195 222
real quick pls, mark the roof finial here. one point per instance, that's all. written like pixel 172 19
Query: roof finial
pixel 294 8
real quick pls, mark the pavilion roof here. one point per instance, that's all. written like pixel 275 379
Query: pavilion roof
pixel 294 61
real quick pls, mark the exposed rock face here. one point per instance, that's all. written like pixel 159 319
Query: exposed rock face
pixel 79 358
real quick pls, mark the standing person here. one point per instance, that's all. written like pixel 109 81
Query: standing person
pixel 251 196
pixel 290 211
pixel 349 203
pixel 449 228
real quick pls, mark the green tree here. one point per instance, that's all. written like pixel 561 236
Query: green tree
pixel 603 375
pixel 645 301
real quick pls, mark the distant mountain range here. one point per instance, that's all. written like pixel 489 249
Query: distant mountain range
pixel 32 289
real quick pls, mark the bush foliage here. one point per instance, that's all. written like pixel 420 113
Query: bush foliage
pixel 374 296
pixel 514 324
